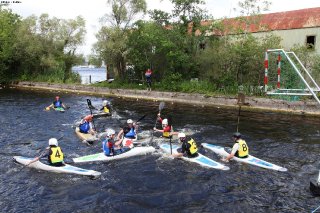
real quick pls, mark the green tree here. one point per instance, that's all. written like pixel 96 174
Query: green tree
pixel 111 45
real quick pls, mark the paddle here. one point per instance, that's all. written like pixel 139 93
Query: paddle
pixel 161 106
pixel 238 118
pixel 90 106
pixel 170 144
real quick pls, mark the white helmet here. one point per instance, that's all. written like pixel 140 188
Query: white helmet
pixel 165 122
pixel 181 135
pixel 105 102
pixel 129 121
pixel 110 132
pixel 53 142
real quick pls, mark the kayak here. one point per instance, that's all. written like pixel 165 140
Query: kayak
pixel 102 157
pixel 249 160
pixel 315 189
pixel 62 169
pixel 101 114
pixel 59 109
pixel 200 159
pixel 86 138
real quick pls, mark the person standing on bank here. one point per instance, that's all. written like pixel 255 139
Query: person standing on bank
pixel 240 148
pixel 148 78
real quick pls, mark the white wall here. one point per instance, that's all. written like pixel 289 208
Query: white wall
pixel 295 36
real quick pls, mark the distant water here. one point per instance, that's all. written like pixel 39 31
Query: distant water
pixel 97 74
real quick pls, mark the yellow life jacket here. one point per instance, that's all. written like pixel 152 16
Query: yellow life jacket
pixel 106 110
pixel 193 146
pixel 243 150
pixel 166 134
pixel 56 155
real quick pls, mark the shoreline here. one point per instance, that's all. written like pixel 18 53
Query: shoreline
pixel 309 107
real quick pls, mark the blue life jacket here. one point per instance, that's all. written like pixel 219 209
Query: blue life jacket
pixel 108 147
pixel 57 104
pixel 130 134
pixel 85 127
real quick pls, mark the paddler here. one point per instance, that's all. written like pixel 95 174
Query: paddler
pixel 166 128
pixel 128 133
pixel 53 152
pixel 111 147
pixel 188 148
pixel 240 148
pixel 56 104
pixel 106 107
pixel 86 125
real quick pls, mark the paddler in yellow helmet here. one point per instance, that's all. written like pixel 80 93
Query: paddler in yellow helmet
pixel 188 148
pixel 240 148
pixel 53 152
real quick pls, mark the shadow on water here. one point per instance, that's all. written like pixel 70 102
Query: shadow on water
pixel 154 183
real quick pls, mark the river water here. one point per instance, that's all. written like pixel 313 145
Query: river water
pixel 153 183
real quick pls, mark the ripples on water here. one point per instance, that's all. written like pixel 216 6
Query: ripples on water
pixel 155 183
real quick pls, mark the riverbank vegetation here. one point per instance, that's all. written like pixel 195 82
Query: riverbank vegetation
pixel 39 48
pixel 188 50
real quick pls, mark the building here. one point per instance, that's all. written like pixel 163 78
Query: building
pixel 298 27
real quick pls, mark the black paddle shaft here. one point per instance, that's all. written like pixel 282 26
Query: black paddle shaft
pixel 90 105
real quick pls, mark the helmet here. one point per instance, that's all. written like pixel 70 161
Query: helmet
pixel 110 132
pixel 53 142
pixel 129 121
pixel 237 135
pixel 105 102
pixel 88 118
pixel 165 122
pixel 181 135
pixel 57 97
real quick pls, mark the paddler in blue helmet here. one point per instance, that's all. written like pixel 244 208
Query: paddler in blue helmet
pixel 188 148
pixel 56 104
pixel 53 152
pixel 240 148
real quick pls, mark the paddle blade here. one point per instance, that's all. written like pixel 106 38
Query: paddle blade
pixel 89 102
pixel 315 189
pixel 161 106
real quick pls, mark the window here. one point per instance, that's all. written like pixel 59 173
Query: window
pixel 311 42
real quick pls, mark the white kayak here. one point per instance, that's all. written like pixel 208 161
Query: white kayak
pixel 102 157
pixel 249 160
pixel 86 138
pixel 101 114
pixel 200 159
pixel 61 169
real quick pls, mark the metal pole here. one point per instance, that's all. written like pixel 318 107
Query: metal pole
pixel 314 82
pixel 266 66
pixel 89 79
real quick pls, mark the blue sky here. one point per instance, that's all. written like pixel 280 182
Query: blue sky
pixel 94 9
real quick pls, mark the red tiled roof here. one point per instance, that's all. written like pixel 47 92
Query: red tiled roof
pixel 296 19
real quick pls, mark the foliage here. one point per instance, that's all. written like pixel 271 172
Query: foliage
pixel 39 47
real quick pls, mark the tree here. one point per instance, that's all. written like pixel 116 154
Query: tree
pixel 112 39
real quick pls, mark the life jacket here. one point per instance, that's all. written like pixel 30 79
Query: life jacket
pixel 129 133
pixel 84 127
pixel 57 104
pixel 193 146
pixel 166 132
pixel 126 142
pixel 243 150
pixel 108 147
pixel 106 109
pixel 56 155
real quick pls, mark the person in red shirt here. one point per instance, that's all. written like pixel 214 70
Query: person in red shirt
pixel 148 78
pixel 166 128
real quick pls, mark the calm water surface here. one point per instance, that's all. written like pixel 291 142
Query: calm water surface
pixel 154 183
